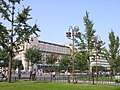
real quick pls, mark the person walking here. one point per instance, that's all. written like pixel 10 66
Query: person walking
pixel 3 74
pixel 30 74
pixel 19 74
pixel 34 74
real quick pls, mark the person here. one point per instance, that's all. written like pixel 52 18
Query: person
pixel 30 74
pixel 3 74
pixel 66 72
pixel 53 75
pixel 19 74
pixel 34 74
pixel 40 72
pixel 6 74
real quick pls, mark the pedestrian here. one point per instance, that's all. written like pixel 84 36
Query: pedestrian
pixel 53 74
pixel 6 74
pixel 66 72
pixel 19 74
pixel 30 74
pixel 40 72
pixel 3 74
pixel 34 74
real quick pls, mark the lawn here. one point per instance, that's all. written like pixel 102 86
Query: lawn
pixel 32 85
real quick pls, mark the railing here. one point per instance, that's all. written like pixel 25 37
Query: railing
pixel 79 79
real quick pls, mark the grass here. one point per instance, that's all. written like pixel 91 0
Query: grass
pixel 32 85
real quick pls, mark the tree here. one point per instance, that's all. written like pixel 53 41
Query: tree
pixel 81 61
pixel 89 43
pixel 17 64
pixel 113 51
pixel 20 31
pixel 51 60
pixel 89 34
pixel 65 63
pixel 84 43
pixel 3 58
pixel 33 55
pixel 118 64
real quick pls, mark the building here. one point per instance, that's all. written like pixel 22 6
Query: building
pixel 46 48
pixel 97 59
pixel 58 50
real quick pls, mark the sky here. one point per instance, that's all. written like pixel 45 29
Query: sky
pixel 55 16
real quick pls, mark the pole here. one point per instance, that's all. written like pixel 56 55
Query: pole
pixel 93 76
pixel 75 33
pixel 96 60
pixel 73 58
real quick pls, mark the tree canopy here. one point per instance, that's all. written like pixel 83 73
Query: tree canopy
pixel 20 31
pixel 33 55
pixel 113 58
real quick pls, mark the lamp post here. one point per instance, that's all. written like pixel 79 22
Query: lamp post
pixel 71 34
pixel 96 42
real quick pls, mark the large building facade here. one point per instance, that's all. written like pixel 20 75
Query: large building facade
pixel 58 50
pixel 46 48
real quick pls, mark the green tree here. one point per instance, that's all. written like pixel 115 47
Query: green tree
pixel 65 63
pixel 89 43
pixel 4 58
pixel 33 55
pixel 20 31
pixel 118 64
pixel 89 34
pixel 51 59
pixel 85 41
pixel 113 51
pixel 81 61
pixel 17 64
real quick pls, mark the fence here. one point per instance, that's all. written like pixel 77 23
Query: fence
pixel 82 79
pixel 79 79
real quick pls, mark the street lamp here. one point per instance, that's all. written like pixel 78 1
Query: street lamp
pixel 71 34
pixel 96 41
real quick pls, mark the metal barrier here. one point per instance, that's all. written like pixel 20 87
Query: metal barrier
pixel 79 79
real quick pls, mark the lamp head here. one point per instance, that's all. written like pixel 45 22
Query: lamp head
pixel 68 34
pixel 76 28
pixel 78 35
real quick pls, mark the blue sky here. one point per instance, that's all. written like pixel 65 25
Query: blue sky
pixel 55 16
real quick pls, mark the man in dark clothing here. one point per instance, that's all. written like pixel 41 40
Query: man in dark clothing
pixel 34 74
